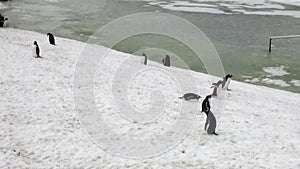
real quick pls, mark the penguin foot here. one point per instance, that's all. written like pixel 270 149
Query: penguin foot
pixel 215 134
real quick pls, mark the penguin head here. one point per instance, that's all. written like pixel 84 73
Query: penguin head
pixel 229 76
pixel 35 43
pixel 198 97
pixel 143 54
pixel 6 19
pixel 208 97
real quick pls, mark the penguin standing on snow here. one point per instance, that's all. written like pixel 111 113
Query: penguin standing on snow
pixel 210 118
pixel 226 82
pixel 36 50
pixel 145 61
pixel 211 122
pixel 51 38
pixel 206 104
pixel 216 87
pixel 166 61
pixel 190 96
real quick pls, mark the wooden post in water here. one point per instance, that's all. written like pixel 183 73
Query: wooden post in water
pixel 280 37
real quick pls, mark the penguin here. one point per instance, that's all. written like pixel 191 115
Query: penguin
pixel 51 38
pixel 206 104
pixel 145 61
pixel 216 87
pixel 226 81
pixel 5 23
pixel 36 50
pixel 166 61
pixel 1 20
pixel 211 122
pixel 190 96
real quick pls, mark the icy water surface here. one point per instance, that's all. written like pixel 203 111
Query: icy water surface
pixel 239 31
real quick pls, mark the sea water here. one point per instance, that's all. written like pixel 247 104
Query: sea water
pixel 239 30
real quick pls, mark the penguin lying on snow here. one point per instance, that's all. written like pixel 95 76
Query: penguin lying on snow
pixel 190 96
pixel 36 50
pixel 51 38
pixel 226 82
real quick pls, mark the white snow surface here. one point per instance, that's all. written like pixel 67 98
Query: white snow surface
pixel 259 127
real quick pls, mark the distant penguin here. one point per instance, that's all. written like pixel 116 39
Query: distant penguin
pixel 1 20
pixel 51 38
pixel 5 23
pixel 206 104
pixel 216 87
pixel 226 82
pixel 211 122
pixel 190 96
pixel 36 50
pixel 166 61
pixel 145 60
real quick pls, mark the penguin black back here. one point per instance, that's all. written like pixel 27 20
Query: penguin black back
pixel 167 61
pixel 228 76
pixel 37 49
pixel 211 122
pixel 190 96
pixel 51 38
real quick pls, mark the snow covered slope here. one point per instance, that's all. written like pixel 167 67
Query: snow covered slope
pixel 259 127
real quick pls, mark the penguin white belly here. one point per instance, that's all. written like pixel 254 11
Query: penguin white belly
pixel 227 83
pixel 33 48
pixel 5 24
pixel 142 60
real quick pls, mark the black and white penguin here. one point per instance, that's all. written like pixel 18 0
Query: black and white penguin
pixel 145 60
pixel 226 82
pixel 206 104
pixel 51 38
pixel 6 22
pixel 190 96
pixel 36 50
pixel 167 61
pixel 211 122
pixel 216 87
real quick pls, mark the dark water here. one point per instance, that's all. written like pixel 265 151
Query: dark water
pixel 240 40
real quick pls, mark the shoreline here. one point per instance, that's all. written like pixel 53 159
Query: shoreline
pixel 247 81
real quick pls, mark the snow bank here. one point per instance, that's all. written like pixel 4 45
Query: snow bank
pixel 259 127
